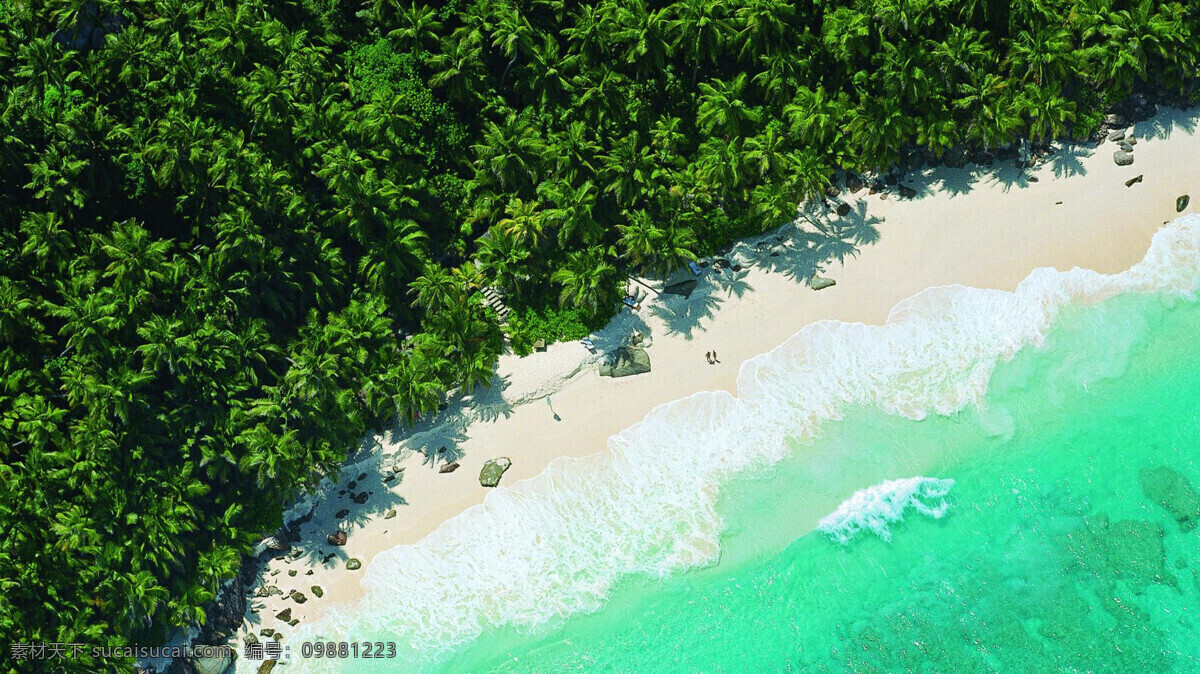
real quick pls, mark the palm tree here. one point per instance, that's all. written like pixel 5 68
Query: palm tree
pixel 587 281
pixel 524 222
pixel 763 26
pixel 698 30
pixel 767 153
pixel 723 109
pixel 510 154
pixel 419 28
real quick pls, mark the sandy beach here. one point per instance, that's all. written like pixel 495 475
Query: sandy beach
pixel 984 227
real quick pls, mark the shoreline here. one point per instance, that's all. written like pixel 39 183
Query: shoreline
pixel 984 228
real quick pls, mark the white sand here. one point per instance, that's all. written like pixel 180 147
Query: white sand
pixel 975 227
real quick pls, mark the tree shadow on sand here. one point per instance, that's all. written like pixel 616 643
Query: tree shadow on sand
pixel 683 315
pixel 1067 161
pixel 818 237
pixel 1166 122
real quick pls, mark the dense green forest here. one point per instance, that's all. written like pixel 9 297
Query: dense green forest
pixel 237 235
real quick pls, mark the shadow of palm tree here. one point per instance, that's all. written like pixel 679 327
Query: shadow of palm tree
pixel 684 316
pixel 1067 161
pixel 732 283
pixel 1163 124
pixel 488 403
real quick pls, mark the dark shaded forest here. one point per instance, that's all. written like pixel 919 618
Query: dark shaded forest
pixel 236 236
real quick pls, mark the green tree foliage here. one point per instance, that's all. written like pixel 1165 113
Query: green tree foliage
pixel 236 235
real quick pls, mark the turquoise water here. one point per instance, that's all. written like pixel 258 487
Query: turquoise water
pixel 1050 557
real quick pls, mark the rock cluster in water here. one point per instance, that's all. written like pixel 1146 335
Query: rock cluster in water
pixel 1171 490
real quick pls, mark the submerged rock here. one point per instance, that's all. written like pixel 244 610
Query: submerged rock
pixel 490 475
pixel 1182 203
pixel 1122 158
pixel 1171 490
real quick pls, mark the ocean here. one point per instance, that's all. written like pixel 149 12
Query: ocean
pixel 992 482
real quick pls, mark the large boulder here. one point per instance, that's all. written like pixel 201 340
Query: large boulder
pixel 1171 490
pixel 625 361
pixel 683 288
pixel 492 471
pixel 1122 158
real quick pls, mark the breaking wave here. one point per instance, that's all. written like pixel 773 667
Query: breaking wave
pixel 877 507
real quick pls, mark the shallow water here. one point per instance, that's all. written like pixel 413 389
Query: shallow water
pixel 1049 557
pixel 981 511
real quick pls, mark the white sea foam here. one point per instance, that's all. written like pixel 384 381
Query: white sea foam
pixel 877 507
pixel 554 545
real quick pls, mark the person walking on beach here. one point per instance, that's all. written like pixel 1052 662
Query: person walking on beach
pixel 715 357
pixel 708 357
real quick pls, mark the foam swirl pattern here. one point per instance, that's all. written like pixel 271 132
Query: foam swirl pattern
pixel 554 545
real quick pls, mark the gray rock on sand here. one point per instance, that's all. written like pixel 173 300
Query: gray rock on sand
pixel 1125 146
pixel 338 538
pixel 907 192
pixel 1114 120
pixel 298 597
pixel 1182 203
pixel 1133 181
pixel 854 183
pixel 493 470
pixel 390 514
pixel 820 283
pixel 1122 158
pixel 1171 490
pixel 353 564
pixel 843 209
pixel 833 192
pixel 1117 135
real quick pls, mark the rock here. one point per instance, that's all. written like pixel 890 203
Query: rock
pixel 854 183
pixel 892 179
pixel 820 283
pixel 490 475
pixel 250 638
pixel 1031 178
pixel 955 158
pixel 362 476
pixel 914 161
pixel 262 591
pixel 309 572
pixel 1182 203
pixel 341 513
pixel 1133 181
pixel 833 192
pixel 266 666
pixel 275 572
pixel 1122 158
pixel 1173 492
pixel 276 543
pixel 1116 136
pixel 907 192
pixel 284 615
pixel 292 573
pixel 317 591
pixel 1131 140
pixel 352 486
pixel 843 209
pixel 274 591
pixel 294 621
pixel 353 564
pixel 298 597
pixel 1125 147
pixel 267 632
pixel 296 553
pixel 1114 120
pixel 360 498
pixel 216 664
pixel 621 362
pixel 338 538
pixel 389 479
pixel 683 288
pixel 392 513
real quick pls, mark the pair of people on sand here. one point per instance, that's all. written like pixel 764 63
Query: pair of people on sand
pixel 711 357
